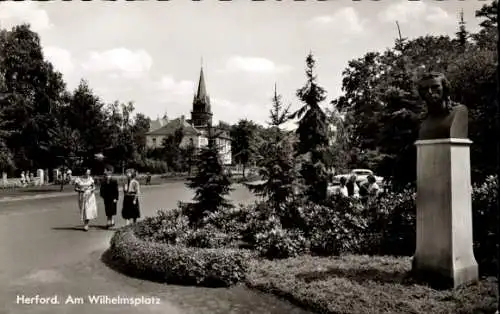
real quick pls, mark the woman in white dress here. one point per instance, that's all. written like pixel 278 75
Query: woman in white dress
pixel 86 198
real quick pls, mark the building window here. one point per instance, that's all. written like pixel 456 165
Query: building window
pixel 154 141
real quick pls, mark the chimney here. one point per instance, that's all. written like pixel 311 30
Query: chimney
pixel 183 119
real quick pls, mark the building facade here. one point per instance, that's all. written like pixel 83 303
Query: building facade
pixel 195 130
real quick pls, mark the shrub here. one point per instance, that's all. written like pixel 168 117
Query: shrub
pixel 391 220
pixel 335 227
pixel 176 264
pixel 149 165
pixel 280 243
pixel 257 218
pixel 209 237
pixel 484 220
pixel 230 220
pixel 168 227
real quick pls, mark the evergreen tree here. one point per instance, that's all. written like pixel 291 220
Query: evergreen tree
pixel 211 184
pixel 462 34
pixel 277 165
pixel 313 134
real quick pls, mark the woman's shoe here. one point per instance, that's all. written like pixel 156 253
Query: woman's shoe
pixel 86 228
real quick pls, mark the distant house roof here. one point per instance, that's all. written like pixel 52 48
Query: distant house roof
pixel 172 126
pixel 156 124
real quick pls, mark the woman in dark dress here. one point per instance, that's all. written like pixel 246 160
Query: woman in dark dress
pixel 109 193
pixel 131 191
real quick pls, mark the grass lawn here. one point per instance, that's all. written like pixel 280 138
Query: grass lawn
pixel 363 284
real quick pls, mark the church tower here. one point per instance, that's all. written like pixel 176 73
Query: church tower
pixel 201 115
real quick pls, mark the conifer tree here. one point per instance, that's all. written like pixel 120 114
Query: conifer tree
pixel 313 134
pixel 462 34
pixel 277 165
pixel 211 183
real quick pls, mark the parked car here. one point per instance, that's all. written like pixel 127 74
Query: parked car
pixel 361 176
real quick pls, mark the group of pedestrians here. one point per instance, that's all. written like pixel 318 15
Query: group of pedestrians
pixel 85 187
pixel 27 178
pixel 351 188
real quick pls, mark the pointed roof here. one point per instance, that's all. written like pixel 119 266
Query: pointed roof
pixel 202 89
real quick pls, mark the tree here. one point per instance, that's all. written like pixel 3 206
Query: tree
pixel 486 38
pixel 339 148
pixel 462 34
pixel 139 129
pixel 66 145
pixel 211 183
pixel 224 126
pixel 189 156
pixel 122 146
pixel 85 113
pixel 243 142
pixel 384 125
pixel 171 149
pixel 33 91
pixel 278 165
pixel 313 134
pixel 6 158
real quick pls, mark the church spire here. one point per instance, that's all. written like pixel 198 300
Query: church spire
pixel 201 115
pixel 202 89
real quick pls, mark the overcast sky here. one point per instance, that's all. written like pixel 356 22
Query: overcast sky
pixel 150 52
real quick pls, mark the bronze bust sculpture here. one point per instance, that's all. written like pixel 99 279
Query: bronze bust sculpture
pixel 445 119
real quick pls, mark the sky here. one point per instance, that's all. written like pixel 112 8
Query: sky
pixel 150 52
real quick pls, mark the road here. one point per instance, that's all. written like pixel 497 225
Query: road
pixel 44 252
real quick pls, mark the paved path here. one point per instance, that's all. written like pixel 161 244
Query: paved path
pixel 43 252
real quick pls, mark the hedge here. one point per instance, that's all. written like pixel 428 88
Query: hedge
pixel 177 264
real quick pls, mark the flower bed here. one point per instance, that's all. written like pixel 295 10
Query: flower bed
pixel 176 263
pixel 364 284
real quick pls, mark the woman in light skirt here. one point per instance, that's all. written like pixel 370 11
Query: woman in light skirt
pixel 86 198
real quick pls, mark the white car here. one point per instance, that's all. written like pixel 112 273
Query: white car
pixel 361 174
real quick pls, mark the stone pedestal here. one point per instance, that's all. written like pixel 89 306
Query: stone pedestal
pixel 41 175
pixel 444 254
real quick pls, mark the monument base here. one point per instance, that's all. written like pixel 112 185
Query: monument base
pixel 442 279
pixel 444 255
